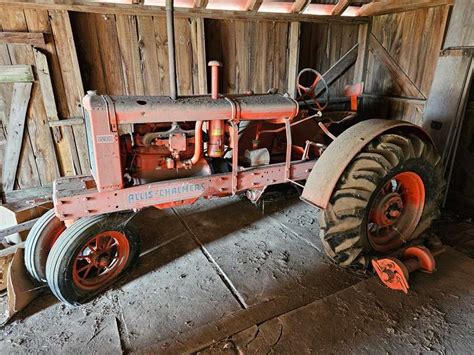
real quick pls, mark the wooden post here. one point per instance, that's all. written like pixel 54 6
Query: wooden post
pixel 198 39
pixel 361 62
pixel 293 57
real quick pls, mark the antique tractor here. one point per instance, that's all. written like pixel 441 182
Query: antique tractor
pixel 378 182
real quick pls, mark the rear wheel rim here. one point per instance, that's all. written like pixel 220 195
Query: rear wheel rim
pixel 100 260
pixel 396 211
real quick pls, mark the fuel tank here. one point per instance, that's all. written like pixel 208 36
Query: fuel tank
pixel 149 109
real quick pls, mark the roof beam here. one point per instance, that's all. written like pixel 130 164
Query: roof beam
pixel 299 6
pixel 146 10
pixel 392 6
pixel 253 5
pixel 340 7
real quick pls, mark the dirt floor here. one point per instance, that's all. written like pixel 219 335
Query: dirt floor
pixel 225 276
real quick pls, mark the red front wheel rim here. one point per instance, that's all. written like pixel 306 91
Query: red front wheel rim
pixel 101 259
pixel 396 211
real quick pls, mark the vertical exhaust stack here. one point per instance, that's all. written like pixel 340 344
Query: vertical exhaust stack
pixel 171 51
pixel 216 127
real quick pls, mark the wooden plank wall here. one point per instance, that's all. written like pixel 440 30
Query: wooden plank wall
pixel 43 160
pixel 254 54
pixel 322 45
pixel 413 39
pixel 128 55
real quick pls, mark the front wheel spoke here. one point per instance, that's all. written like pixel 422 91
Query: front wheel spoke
pixel 84 268
pixel 86 273
pixel 84 257
pixel 110 243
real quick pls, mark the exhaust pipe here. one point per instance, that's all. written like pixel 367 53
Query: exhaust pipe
pixel 171 51
pixel 216 127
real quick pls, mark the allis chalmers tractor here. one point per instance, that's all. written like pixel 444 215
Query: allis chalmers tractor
pixel 378 182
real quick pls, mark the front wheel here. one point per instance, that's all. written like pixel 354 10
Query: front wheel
pixel 386 197
pixel 89 256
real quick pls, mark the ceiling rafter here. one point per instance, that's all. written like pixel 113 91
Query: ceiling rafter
pixel 340 7
pixel 299 6
pixel 253 5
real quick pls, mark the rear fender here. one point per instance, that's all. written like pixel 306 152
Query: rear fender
pixel 332 163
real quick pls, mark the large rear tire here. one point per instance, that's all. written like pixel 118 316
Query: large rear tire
pixel 386 197
pixel 39 242
pixel 89 256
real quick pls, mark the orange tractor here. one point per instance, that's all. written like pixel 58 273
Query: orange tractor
pixel 377 182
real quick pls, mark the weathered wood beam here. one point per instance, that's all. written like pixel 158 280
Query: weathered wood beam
pixel 46 87
pixel 377 8
pixel 340 7
pixel 198 39
pixel 24 226
pixel 146 10
pixel 16 73
pixel 361 63
pixel 67 122
pixel 293 57
pixel 34 39
pixel 398 75
pixel 299 5
pixel 407 100
pixel 16 129
pixel 338 68
pixel 253 5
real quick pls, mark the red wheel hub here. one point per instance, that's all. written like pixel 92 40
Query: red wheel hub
pixel 100 260
pixel 396 211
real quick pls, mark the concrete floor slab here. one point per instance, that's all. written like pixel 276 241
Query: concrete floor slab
pixel 436 316
pixel 261 257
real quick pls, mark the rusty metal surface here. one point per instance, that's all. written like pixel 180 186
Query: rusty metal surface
pixel 74 197
pixel 338 155
pixel 152 109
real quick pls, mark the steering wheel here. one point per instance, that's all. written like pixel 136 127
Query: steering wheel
pixel 309 92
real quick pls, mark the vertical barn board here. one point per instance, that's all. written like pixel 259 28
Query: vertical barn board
pixel 322 45
pixel 71 74
pixel 110 54
pixel 84 26
pixel 198 38
pixel 16 131
pixel 293 57
pixel 254 54
pixel 148 55
pixel 28 174
pixel 127 32
pixel 161 45
pixel 184 56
